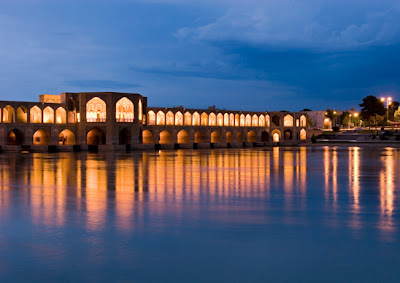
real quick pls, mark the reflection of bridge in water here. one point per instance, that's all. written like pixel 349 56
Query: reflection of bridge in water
pixel 120 121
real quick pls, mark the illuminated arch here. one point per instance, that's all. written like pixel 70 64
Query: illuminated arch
pixel 229 137
pixel 151 117
pixel 276 135
pixel 237 120
pixel 212 119
pixel 140 110
pixel 183 137
pixel 160 118
pixel 242 120
pixel 188 118
pixel 232 120
pixel 199 137
pixel 22 114
pixel 124 110
pixel 288 121
pixel 71 116
pixel 276 120
pixel 196 119
pixel 220 119
pixel 288 135
pixel 303 121
pixel 61 115
pixel 216 137
pixel 96 136
pixel 66 137
pixel 178 118
pixel 303 134
pixel 267 121
pixel 251 136
pixel 170 118
pixel 254 121
pixel 147 137
pixel 36 114
pixel 96 110
pixel 41 137
pixel 15 137
pixel 48 115
pixel 165 137
pixel 226 119
pixel 248 120
pixel 9 114
pixel 261 121
pixel 204 119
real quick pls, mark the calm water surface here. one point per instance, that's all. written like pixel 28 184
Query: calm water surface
pixel 323 214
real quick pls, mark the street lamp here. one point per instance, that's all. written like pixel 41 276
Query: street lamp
pixel 388 103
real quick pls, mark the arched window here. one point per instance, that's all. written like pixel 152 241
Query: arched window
pixel 124 110
pixel 288 121
pixel 267 121
pixel 254 121
pixel 178 118
pixel 220 119
pixel 170 118
pixel 151 117
pixel 276 120
pixel 276 135
pixel 237 120
pixel 261 121
pixel 196 119
pixel 140 110
pixel 303 134
pixel 226 119
pixel 36 115
pixel 242 120
pixel 22 114
pixel 160 118
pixel 204 119
pixel 212 119
pixel 61 116
pixel 303 121
pixel 9 114
pixel 48 115
pixel 188 119
pixel 231 120
pixel 248 120
pixel 96 110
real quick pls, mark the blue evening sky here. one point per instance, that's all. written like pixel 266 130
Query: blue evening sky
pixel 250 55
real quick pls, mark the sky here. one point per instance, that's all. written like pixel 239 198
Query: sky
pixel 238 55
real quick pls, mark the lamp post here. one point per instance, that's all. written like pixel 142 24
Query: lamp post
pixel 348 126
pixel 388 103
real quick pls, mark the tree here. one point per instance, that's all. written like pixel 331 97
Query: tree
pixel 392 108
pixel 310 121
pixel 344 118
pixel 371 107
pixel 331 114
pixel 397 115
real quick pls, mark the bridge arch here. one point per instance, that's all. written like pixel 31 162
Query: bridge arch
pixel 264 136
pixel 66 137
pixel 15 137
pixel 303 134
pixel 216 137
pixel 41 137
pixel 288 135
pixel 276 135
pixel 22 114
pixel 183 137
pixel 147 137
pixel 48 115
pixel 251 136
pixel 96 136
pixel 229 137
pixel 165 137
pixel 199 137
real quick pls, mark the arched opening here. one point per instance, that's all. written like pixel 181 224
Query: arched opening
pixel 125 136
pixel 267 121
pixel 254 121
pixel 165 137
pixel 183 137
pixel 265 136
pixel 226 119
pixel 15 137
pixel 36 115
pixel 237 120
pixel 151 118
pixel 66 137
pixel 8 114
pixel 248 120
pixel 212 119
pixel 188 119
pixel 71 117
pixel 170 118
pixel 22 114
pixel 70 105
pixel 140 110
pixel 160 118
pixel 231 120
pixel 251 137
pixel 288 121
pixel 276 135
pixel 276 120
pixel 261 121
pixel 220 119
pixel 204 119
pixel 216 137
pixel 239 137
pixel 178 118
pixel 196 119
pixel 242 120
pixel 288 135
pixel 61 115
pixel 96 136
pixel 303 121
pixel 96 110
pixel 303 134
pixel 48 115
pixel 41 137
pixel 124 110
pixel 147 137
pixel 199 137
pixel 229 137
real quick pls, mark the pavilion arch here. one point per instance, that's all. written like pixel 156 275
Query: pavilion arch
pixel 196 119
pixel 231 120
pixel 151 118
pixel 22 114
pixel 276 120
pixel 15 137
pixel 288 121
pixel 204 119
pixel 216 137
pixel 71 117
pixel 96 136
pixel 70 105
pixel 188 119
pixel 261 121
pixel 303 135
pixel 242 120
pixel 36 114
pixel 160 118
pixel 8 114
pixel 96 110
pixel 267 121
pixel 226 119
pixel 254 121
pixel 199 137
pixel 239 137
pixel 165 137
pixel 41 137
pixel 178 119
pixel 48 115
pixel 288 135
pixel 229 137
pixel 212 119
pixel 264 136
pixel 303 121
pixel 220 119
pixel 147 137
pixel 248 120
pixel 170 118
pixel 124 110
pixel 66 137
pixel 237 120
pixel 183 137
pixel 125 136
pixel 251 136
pixel 61 116
pixel 276 135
